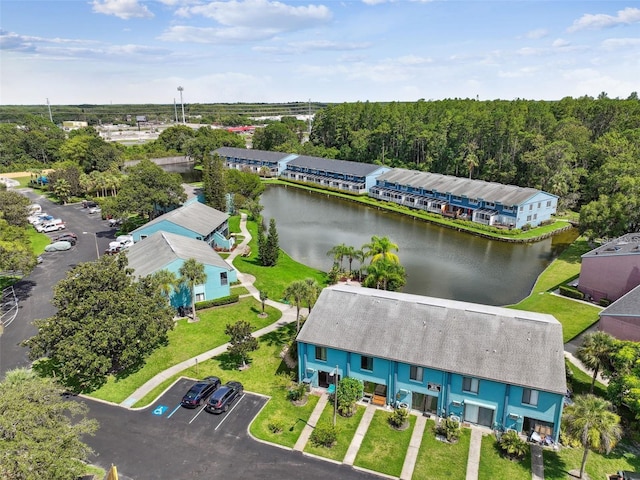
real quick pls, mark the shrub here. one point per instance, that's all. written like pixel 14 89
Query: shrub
pixel 604 302
pixel 526 227
pixel 349 392
pixel 217 302
pixel 512 445
pixel 296 392
pixel 398 417
pixel 324 435
pixel 567 441
pixel 449 429
pixel 571 292
pixel 276 424
pixel 284 380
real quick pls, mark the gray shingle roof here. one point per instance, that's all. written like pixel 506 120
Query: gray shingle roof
pixel 335 166
pixel 160 249
pixel 624 245
pixel 250 154
pixel 626 306
pixel 505 345
pixel 479 189
pixel 194 216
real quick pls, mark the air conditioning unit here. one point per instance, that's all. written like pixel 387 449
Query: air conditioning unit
pixel 456 403
pixel 514 416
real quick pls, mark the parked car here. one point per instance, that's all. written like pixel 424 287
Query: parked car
pixel 113 249
pixel 114 222
pixel 223 397
pixel 57 246
pixel 35 209
pixel 53 227
pixel 88 204
pixel 627 475
pixel 70 237
pixel 200 391
pixel 56 221
pixel 95 209
pixel 39 218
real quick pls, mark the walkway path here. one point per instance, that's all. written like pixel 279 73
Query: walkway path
pixel 473 461
pixel 414 447
pixel 288 316
pixel 537 463
pixel 311 423
pixel 350 457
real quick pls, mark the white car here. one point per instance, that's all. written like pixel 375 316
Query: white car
pixel 95 210
pixel 38 218
pixel 53 227
pixel 58 246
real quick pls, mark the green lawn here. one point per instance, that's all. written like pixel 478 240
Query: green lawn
pixel 564 268
pixel 581 383
pixel 38 240
pixel 274 280
pixel 557 465
pixel 383 449
pixel 438 460
pixel 347 427
pixel 187 340
pixel 494 466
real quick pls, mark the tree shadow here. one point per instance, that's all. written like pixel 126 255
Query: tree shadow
pixel 554 465
pixel 280 337
pixel 23 289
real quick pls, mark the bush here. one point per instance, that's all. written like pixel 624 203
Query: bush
pixel 276 424
pixel 512 445
pixel 324 435
pixel 217 302
pixel 449 429
pixel 296 392
pixel 398 417
pixel 350 390
pixel 567 441
pixel 604 302
pixel 571 292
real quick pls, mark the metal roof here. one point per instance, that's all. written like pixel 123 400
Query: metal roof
pixel 160 249
pixel 628 244
pixel 463 187
pixel 495 343
pixel 250 154
pixel 194 216
pixel 335 166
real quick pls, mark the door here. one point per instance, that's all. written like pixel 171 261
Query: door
pixel 478 415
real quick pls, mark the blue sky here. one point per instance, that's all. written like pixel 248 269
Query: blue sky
pixel 137 51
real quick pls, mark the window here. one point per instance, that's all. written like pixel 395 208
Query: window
pixel 321 353
pixel 416 373
pixel 366 363
pixel 531 206
pixel 142 237
pixel 470 385
pixel 530 397
pixel 223 278
pixel 548 203
pixel 521 207
pixel 535 216
pixel 528 218
pixel 539 204
pixel 199 297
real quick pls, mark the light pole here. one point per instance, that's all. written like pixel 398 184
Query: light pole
pixel 180 89
pixel 335 396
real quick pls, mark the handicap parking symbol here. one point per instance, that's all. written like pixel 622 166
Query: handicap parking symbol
pixel 160 409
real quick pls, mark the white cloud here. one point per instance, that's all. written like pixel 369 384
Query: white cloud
pixel 310 46
pixel 536 34
pixel 124 9
pixel 185 33
pixel 627 16
pixel 616 43
pixel 560 43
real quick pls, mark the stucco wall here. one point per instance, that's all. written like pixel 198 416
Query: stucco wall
pixel 609 276
pixel 623 328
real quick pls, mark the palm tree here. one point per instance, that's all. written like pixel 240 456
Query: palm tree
pixel 591 421
pixel 62 189
pixel 263 298
pixel 594 352
pixel 379 248
pixel 296 293
pixel 192 274
pixel 166 281
pixel 338 254
pixel 385 274
pixel 312 293
pixel 352 253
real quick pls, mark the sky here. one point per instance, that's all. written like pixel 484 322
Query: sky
pixel 75 52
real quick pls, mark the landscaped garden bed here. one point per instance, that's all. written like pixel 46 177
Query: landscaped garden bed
pixel 346 429
pixel 437 460
pixel 494 465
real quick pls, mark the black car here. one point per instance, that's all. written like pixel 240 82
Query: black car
pixel 200 391
pixel 223 397
pixel 72 238
pixel 88 204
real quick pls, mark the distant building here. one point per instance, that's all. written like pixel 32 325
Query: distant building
pixel 69 125
pixel 482 364
pixel 483 202
pixel 621 319
pixel 255 161
pixel 611 270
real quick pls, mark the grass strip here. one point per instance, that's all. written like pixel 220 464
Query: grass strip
pixel 493 465
pixel 346 427
pixel 437 460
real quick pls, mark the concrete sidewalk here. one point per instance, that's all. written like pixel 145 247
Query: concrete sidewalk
pixel 473 461
pixel 414 447
pixel 311 423
pixel 537 463
pixel 363 426
pixel 288 316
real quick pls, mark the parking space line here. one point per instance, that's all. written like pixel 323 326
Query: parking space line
pixel 229 412
pixel 196 415
pixel 174 411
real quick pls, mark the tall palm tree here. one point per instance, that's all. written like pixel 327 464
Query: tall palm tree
pixel 296 293
pixel 338 254
pixel 352 253
pixel 594 352
pixel 379 248
pixel 166 280
pixel 312 293
pixel 192 274
pixel 591 421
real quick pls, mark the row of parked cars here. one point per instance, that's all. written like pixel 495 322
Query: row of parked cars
pixel 218 397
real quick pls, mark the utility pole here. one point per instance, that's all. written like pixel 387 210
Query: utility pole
pixel 175 108
pixel 180 89
pixel 335 396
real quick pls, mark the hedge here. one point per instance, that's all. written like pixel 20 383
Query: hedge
pixel 571 292
pixel 217 302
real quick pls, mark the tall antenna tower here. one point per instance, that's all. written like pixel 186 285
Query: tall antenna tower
pixel 180 89
pixel 49 107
